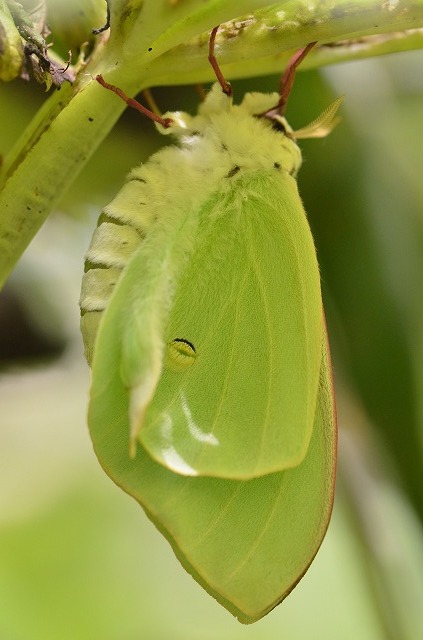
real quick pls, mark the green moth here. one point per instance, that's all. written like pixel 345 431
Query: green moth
pixel 211 399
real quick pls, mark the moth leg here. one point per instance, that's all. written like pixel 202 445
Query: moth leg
pixel 226 87
pixel 288 77
pixel 286 84
pixel 131 102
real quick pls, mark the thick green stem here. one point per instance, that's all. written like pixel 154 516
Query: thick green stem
pixel 61 148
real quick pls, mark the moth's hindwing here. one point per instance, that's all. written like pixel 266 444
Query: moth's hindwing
pixel 246 542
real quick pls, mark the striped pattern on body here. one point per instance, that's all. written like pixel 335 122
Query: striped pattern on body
pixel 121 227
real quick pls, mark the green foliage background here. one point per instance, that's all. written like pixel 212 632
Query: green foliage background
pixel 80 560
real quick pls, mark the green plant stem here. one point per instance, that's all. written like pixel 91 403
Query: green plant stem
pixel 49 163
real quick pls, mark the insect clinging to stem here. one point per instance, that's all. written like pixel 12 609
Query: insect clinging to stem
pixel 203 321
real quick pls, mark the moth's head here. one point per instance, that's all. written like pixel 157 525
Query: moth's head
pixel 281 124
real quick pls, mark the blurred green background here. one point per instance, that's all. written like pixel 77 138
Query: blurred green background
pixel 78 558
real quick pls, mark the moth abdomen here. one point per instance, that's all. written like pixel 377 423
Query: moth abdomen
pixel 121 228
pixel 113 244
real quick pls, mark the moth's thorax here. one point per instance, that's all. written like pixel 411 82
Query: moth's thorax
pixel 229 136
pixel 217 152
